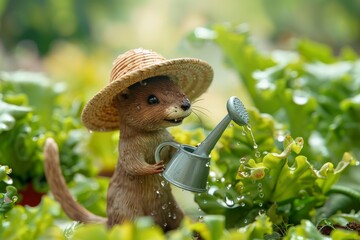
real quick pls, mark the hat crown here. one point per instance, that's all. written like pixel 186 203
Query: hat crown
pixel 134 60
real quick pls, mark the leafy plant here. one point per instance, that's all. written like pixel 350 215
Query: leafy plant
pixel 9 198
pixel 313 93
pixel 29 113
pixel 263 183
pixel 310 93
pixel 32 222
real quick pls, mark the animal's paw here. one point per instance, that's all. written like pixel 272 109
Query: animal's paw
pixel 158 167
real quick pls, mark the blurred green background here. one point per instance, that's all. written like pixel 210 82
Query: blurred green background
pixel 76 41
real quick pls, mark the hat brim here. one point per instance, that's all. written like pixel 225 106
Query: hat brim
pixel 192 75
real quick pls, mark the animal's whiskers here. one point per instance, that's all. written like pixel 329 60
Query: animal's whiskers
pixel 198 110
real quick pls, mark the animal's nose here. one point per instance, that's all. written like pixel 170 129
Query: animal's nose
pixel 185 105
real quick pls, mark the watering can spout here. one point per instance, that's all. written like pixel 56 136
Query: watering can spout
pixel 208 144
pixel 237 113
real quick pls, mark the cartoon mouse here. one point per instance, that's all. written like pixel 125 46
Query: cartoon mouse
pixel 146 94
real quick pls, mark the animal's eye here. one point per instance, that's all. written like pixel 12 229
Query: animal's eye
pixel 153 99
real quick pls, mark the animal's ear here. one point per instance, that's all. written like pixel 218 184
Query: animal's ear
pixel 124 94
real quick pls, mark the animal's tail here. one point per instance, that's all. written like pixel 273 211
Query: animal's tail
pixel 60 190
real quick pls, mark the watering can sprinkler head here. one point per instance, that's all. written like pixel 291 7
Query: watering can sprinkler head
pixel 237 111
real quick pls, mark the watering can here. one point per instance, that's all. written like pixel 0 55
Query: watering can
pixel 189 167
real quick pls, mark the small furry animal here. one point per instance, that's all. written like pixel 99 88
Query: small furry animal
pixel 146 94
pixel 136 187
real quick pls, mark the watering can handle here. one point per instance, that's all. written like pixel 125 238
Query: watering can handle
pixel 161 146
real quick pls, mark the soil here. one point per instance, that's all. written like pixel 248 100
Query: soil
pixel 351 226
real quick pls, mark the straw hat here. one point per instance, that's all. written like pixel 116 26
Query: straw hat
pixel 192 75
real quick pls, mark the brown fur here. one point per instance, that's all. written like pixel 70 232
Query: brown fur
pixel 136 187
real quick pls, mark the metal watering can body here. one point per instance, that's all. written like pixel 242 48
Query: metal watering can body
pixel 185 169
pixel 190 166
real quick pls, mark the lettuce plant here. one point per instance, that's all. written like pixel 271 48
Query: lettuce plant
pixel 9 198
pixel 312 92
pixel 308 93
pixel 29 113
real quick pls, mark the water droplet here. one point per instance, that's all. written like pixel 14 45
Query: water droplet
pixel 243 160
pixel 231 125
pixel 257 154
pixel 222 180
pixel 244 174
pixel 143 83
pixel 165 224
pixel 243 131
pixel 259 184
pixel 239 198
pixel 255 146
pixel 300 97
pixel 138 107
pixel 245 221
pixel 153 213
pixel 207 164
pixel 204 202
pixel 229 202
pixel 174 216
pixel 164 206
pixel 260 204
pixel 262 212
pixel 200 218
pixel 261 195
pixel 242 204
pixel 228 186
pixel 163 183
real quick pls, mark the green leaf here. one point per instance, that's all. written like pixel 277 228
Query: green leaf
pixel 9 113
pixel 4 174
pixel 40 92
pixel 216 226
pixel 343 234
pixel 8 200
pixel 313 51
pixel 328 176
pixel 306 230
pixel 292 180
pixel 32 223
pixel 255 230
pixel 142 228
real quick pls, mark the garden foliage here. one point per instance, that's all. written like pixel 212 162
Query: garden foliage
pixel 304 121
pixel 31 111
